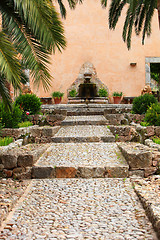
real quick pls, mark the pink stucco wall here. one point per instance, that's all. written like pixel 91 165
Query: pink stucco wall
pixel 90 40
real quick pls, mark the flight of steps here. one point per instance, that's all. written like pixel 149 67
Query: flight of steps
pixel 84 147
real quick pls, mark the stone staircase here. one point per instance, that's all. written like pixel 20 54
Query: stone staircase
pixel 84 147
pixel 73 194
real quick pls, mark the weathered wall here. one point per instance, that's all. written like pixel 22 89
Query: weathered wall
pixel 90 40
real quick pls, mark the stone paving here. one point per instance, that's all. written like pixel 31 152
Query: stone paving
pixel 86 160
pixel 10 192
pixel 83 133
pixel 79 209
pixel 75 209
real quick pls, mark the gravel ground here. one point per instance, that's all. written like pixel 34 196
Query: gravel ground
pixel 10 191
pixel 82 154
pixel 79 209
pixel 83 131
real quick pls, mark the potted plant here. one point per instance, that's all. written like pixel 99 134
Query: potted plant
pixel 57 96
pixel 117 97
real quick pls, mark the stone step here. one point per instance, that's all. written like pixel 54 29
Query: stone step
pixel 79 209
pixel 85 112
pixel 81 160
pixel 83 133
pixel 84 120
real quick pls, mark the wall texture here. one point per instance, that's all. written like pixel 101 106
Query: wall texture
pixel 90 40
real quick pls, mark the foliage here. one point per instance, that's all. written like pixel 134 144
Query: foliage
pixel 73 93
pixel 139 16
pixel 155 76
pixel 32 30
pixel 25 124
pixel 6 141
pixel 117 94
pixel 102 92
pixel 28 103
pixel 57 94
pixel 144 124
pixel 142 103
pixel 156 140
pixel 11 118
pixel 153 114
pixel 155 71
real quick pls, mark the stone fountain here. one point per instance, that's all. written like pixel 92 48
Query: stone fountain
pixel 87 90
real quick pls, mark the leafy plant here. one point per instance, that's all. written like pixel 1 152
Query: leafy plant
pixel 156 140
pixel 144 124
pixel 73 93
pixel 57 94
pixel 153 115
pixel 25 124
pixel 10 118
pixel 117 94
pixel 116 137
pixel 6 141
pixel 142 103
pixel 28 103
pixel 102 92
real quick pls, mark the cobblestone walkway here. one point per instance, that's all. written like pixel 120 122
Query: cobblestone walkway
pixel 79 209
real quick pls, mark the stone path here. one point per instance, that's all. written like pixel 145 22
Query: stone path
pixel 84 160
pixel 95 207
pixel 79 209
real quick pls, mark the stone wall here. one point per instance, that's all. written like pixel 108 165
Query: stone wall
pixel 50 117
pixel 33 134
pixel 142 160
pixel 18 161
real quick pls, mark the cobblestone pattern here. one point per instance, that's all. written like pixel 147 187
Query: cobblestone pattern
pixel 148 191
pixel 82 160
pixel 10 191
pixel 79 209
pixel 82 155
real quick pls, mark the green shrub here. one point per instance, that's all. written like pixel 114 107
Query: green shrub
pixel 73 93
pixel 142 103
pixel 156 140
pixel 102 92
pixel 153 115
pixel 25 124
pixel 10 119
pixel 28 103
pixel 6 141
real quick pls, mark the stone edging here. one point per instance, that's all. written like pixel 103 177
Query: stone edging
pixel 149 200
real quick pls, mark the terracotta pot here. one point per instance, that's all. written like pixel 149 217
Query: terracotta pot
pixel 57 100
pixel 117 100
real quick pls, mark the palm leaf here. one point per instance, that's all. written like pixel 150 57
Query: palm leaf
pixel 4 93
pixel 10 67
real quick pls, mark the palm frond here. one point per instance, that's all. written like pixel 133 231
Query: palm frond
pixel 10 67
pixel 104 3
pixel 43 22
pixel 139 15
pixel 4 93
